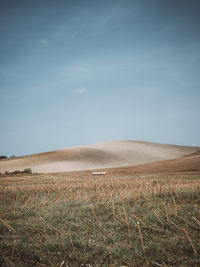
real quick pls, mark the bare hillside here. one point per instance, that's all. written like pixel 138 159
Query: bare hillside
pixel 190 163
pixel 102 155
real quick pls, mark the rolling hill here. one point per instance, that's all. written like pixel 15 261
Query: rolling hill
pixel 189 163
pixel 97 156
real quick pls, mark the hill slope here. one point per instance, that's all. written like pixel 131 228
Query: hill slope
pixel 190 163
pixel 102 155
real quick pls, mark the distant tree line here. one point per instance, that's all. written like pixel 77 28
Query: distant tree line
pixel 5 157
pixel 26 171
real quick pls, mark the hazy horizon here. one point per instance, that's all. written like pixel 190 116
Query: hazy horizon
pixel 84 72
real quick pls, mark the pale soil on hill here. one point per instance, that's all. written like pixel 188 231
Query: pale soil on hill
pixel 104 155
pixel 186 165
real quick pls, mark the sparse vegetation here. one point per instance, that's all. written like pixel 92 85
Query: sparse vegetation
pixel 100 221
pixel 18 173
pixel 3 157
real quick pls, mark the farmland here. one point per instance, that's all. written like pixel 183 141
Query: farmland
pixel 82 220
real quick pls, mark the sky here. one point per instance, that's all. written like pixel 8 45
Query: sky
pixel 77 72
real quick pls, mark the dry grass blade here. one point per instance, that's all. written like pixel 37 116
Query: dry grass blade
pixel 74 224
pixel 141 237
pixel 158 217
pixel 113 207
pixel 127 223
pixel 88 237
pixel 70 237
pixel 97 220
pixel 157 264
pixel 189 223
pixel 196 220
pixel 13 250
pixel 175 207
pixel 104 260
pixel 190 241
pixel 62 264
pixel 7 225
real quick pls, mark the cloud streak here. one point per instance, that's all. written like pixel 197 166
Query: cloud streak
pixel 44 42
pixel 79 91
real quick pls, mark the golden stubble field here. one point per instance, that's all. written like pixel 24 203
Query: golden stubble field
pixel 85 220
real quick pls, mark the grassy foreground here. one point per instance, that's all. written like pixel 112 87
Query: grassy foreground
pixel 151 220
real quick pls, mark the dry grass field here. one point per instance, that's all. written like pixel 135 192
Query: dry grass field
pixel 85 220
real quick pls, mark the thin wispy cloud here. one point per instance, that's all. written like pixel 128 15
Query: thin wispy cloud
pixel 79 91
pixel 44 42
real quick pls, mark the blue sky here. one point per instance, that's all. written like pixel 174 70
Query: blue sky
pixel 80 72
